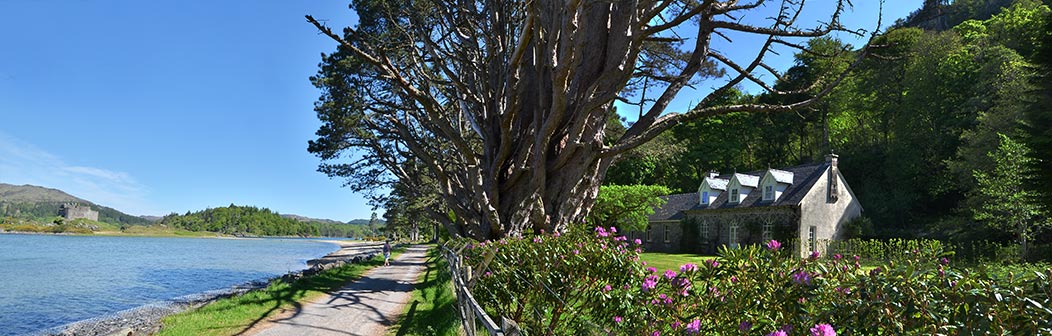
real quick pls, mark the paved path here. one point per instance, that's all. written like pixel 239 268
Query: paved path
pixel 366 307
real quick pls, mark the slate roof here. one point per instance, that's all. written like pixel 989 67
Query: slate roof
pixel 674 206
pixel 803 178
pixel 782 176
pixel 750 179
pixel 716 183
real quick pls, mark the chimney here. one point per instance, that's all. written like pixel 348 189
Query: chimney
pixel 834 178
pixel 713 174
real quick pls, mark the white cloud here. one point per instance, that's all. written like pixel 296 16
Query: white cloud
pixel 24 163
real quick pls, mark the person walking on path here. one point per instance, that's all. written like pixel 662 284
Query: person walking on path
pixel 387 253
pixel 367 306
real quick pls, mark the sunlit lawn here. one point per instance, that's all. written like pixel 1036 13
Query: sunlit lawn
pixel 664 261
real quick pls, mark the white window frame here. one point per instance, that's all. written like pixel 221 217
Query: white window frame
pixel 735 196
pixel 704 197
pixel 767 231
pixel 732 236
pixel 812 235
pixel 649 236
pixel 768 193
pixel 667 232
pixel 705 230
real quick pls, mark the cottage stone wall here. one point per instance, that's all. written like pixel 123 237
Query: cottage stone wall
pixel 657 241
pixel 74 211
pixel 713 228
pixel 827 214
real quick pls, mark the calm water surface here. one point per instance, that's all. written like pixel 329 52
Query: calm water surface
pixel 48 281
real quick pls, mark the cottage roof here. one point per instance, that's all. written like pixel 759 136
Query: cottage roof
pixel 716 183
pixel 782 176
pixel 674 207
pixel 804 177
pixel 748 180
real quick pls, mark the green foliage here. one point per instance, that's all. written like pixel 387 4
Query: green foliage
pixel 245 220
pixel 626 207
pixel 754 290
pixel 1008 203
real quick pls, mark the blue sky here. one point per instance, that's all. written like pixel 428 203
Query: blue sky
pixel 154 107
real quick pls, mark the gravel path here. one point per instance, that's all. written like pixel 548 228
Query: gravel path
pixel 366 307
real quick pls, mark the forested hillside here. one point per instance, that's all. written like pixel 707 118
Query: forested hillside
pixel 913 125
pixel 246 220
pixel 42 204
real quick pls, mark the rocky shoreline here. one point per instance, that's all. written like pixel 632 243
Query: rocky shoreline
pixel 145 320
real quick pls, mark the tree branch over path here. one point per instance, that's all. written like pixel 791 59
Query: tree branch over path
pixel 505 103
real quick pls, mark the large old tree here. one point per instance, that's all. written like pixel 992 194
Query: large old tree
pixel 504 104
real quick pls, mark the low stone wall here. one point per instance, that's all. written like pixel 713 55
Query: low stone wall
pixel 146 320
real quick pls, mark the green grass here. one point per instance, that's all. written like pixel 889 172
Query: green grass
pixel 432 308
pixel 235 315
pixel 664 261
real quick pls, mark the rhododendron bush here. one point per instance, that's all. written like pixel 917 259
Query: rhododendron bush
pixel 594 283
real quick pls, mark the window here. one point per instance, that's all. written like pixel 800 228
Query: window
pixel 734 235
pixel 704 197
pixel 734 196
pixel 811 237
pixel 768 193
pixel 767 231
pixel 650 230
pixel 705 230
pixel 667 229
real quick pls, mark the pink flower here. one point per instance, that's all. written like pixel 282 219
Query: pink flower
pixel 638 242
pixel 649 283
pixel 688 268
pixel 576 252
pixel 734 279
pixel 656 333
pixel 607 288
pixel 537 239
pixel 675 325
pixel 778 333
pixel 556 234
pixel 823 330
pixel 617 319
pixel 814 255
pixel 651 269
pixel 694 327
pixel 601 232
pixel 745 326
pixel 774 245
pixel 944 261
pixel 670 274
pixel 802 278
pixel 613 229
pixel 713 263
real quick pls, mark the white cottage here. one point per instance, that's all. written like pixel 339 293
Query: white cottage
pixel 807 204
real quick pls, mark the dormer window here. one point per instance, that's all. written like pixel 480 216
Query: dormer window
pixel 734 195
pixel 768 193
pixel 704 197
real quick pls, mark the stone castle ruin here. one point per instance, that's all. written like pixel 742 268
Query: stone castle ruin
pixel 71 211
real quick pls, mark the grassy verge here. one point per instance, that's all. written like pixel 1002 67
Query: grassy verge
pixel 237 314
pixel 664 261
pixel 432 308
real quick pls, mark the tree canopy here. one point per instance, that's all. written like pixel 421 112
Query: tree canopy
pixel 504 105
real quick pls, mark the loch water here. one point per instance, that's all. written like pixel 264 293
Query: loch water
pixel 49 280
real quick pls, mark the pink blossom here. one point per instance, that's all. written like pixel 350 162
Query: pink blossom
pixel 607 288
pixel 613 229
pixel 656 333
pixel 676 325
pixel 688 268
pixel 576 252
pixel 670 274
pixel 802 278
pixel 601 232
pixel 651 269
pixel 556 234
pixel 774 245
pixel 694 327
pixel 713 263
pixel 814 255
pixel 823 330
pixel 638 242
pixel 617 319
pixel 944 261
pixel 778 333
pixel 649 283
pixel 537 239
pixel 745 326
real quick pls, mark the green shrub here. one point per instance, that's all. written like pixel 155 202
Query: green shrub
pixel 591 284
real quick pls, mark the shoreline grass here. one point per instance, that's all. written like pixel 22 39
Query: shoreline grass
pixel 432 308
pixel 235 315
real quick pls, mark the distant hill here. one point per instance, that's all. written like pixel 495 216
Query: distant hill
pixel 29 201
pixel 366 222
pixel 308 219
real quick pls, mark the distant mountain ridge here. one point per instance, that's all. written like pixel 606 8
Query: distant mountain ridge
pixel 31 200
pixel 379 222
